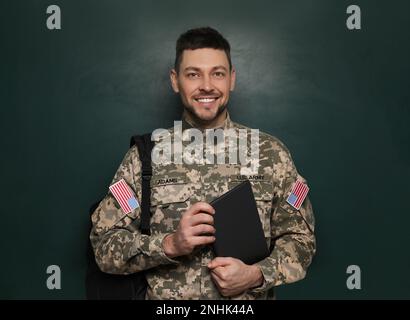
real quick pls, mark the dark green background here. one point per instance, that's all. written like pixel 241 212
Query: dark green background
pixel 339 99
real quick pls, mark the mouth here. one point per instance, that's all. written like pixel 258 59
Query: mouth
pixel 206 101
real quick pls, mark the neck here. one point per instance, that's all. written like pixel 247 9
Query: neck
pixel 205 124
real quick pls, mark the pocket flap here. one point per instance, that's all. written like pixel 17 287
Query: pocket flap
pixel 262 190
pixel 171 193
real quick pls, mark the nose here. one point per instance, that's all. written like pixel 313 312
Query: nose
pixel 206 84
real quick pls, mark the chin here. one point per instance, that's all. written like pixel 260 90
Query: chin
pixel 206 116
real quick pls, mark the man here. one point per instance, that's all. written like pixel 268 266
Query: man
pixel 177 256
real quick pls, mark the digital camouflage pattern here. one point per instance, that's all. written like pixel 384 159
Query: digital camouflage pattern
pixel 121 249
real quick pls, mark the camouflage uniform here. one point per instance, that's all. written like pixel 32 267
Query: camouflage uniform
pixel 121 249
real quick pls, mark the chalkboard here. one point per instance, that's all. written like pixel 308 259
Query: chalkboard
pixel 338 98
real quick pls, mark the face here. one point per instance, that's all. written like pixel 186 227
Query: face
pixel 204 82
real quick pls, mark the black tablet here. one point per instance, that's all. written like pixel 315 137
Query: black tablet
pixel 239 232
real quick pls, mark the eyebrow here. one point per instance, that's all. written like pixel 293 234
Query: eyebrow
pixel 189 68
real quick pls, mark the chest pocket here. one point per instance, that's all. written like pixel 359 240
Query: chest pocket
pixel 262 191
pixel 168 203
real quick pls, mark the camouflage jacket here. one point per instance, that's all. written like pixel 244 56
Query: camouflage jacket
pixel 121 249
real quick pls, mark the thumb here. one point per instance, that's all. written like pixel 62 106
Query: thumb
pixel 219 262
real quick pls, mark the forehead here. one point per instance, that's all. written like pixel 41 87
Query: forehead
pixel 204 58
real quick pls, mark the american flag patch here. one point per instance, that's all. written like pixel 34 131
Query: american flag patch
pixel 298 194
pixel 124 195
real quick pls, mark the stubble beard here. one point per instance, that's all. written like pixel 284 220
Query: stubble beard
pixel 200 120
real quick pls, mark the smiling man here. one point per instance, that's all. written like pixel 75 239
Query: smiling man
pixel 177 258
pixel 204 78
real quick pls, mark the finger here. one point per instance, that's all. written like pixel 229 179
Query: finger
pixel 200 218
pixel 221 285
pixel 201 207
pixel 220 262
pixel 219 272
pixel 201 240
pixel 217 279
pixel 202 229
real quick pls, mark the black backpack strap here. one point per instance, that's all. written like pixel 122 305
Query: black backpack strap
pixel 100 285
pixel 145 145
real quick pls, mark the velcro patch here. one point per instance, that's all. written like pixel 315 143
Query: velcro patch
pixel 298 194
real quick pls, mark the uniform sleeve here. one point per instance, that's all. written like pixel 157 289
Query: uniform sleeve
pixel 292 230
pixel 118 244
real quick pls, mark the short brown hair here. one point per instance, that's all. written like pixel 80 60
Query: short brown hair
pixel 200 38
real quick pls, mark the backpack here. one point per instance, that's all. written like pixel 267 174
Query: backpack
pixel 104 286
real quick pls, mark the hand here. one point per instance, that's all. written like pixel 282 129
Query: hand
pixel 195 222
pixel 233 277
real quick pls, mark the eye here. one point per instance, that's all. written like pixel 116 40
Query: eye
pixel 219 74
pixel 193 75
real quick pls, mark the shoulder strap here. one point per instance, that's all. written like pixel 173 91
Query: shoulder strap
pixel 145 145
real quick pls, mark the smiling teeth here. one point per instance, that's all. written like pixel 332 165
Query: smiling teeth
pixel 206 100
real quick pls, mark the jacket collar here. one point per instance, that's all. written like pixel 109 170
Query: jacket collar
pixel 189 123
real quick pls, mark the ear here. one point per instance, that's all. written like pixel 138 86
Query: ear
pixel 233 79
pixel 174 80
